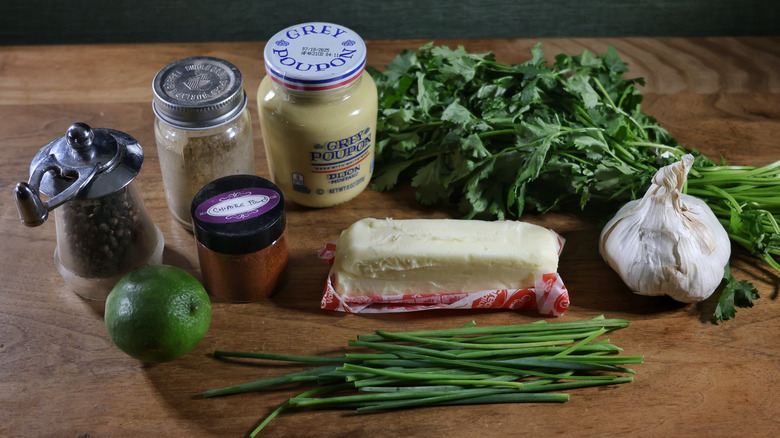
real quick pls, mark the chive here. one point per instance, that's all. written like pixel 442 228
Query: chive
pixel 394 347
pixel 593 347
pixel 582 383
pixel 286 405
pixel 560 364
pixel 422 340
pixel 607 359
pixel 364 399
pixel 523 397
pixel 466 365
pixel 551 335
pixel 398 362
pixel 439 377
pixel 579 344
pixel 423 388
pixel 463 397
pixel 440 387
pixel 483 365
pixel 369 356
pixel 608 324
pixel 272 356
pixel 307 375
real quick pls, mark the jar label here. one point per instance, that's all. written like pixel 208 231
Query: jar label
pixel 340 162
pixel 237 205
pixel 315 57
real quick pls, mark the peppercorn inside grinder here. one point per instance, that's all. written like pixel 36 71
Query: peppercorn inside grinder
pixel 103 229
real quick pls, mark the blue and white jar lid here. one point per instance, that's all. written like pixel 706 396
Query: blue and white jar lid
pixel 315 57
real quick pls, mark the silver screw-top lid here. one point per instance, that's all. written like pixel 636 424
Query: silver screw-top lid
pixel 198 93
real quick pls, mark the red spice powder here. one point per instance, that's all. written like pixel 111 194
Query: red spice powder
pixel 245 277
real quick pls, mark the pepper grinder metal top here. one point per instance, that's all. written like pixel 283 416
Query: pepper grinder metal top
pixel 103 230
pixel 85 163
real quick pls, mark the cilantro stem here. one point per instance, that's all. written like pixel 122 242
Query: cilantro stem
pixel 496 132
pixel 676 151
pixel 605 94
pixel 618 110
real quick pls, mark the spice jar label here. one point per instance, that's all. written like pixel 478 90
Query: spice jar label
pixel 237 205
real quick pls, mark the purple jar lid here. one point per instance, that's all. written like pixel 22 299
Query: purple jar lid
pixel 238 214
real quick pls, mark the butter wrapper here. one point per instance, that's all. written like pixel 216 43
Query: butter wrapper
pixel 548 295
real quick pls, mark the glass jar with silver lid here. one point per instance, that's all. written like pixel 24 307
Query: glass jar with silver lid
pixel 202 128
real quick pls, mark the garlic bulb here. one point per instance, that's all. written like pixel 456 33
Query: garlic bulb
pixel 667 242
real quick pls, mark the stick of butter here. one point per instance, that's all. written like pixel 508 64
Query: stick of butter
pixel 416 256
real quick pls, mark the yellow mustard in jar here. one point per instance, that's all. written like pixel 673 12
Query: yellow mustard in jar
pixel 318 113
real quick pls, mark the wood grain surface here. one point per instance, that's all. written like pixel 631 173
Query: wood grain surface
pixel 60 375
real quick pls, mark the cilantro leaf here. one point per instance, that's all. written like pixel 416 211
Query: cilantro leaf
pixel 430 189
pixel 735 294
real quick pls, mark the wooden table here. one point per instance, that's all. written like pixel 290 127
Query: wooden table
pixel 60 375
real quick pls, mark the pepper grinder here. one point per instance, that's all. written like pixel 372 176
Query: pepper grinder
pixel 103 229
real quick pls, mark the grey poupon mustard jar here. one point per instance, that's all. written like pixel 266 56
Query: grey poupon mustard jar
pixel 318 113
pixel 103 229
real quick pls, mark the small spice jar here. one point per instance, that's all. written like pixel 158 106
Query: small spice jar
pixel 239 224
pixel 203 128
pixel 318 113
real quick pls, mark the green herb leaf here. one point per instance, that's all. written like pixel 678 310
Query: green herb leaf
pixel 735 294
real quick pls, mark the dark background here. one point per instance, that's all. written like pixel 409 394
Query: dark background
pixel 99 21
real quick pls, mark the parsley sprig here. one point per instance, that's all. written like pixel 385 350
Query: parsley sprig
pixel 499 140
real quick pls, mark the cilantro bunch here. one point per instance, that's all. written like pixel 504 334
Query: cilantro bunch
pixel 498 140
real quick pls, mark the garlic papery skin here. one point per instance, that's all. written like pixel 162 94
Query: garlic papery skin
pixel 668 242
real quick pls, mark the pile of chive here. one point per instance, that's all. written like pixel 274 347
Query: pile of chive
pixel 466 365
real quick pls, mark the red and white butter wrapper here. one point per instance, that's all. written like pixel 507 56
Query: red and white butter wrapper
pixel 548 295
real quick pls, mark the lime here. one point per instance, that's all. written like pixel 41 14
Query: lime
pixel 157 313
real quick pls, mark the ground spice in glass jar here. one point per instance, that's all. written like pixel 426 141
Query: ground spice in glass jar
pixel 202 128
pixel 239 225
